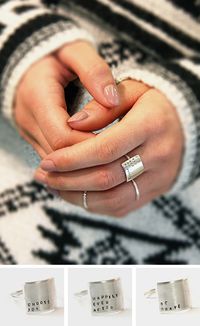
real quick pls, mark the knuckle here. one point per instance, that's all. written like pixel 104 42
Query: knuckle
pixel 105 179
pixel 167 150
pixel 20 118
pixel 121 213
pixel 115 203
pixel 98 69
pixel 147 127
pixel 158 127
pixel 58 143
pixel 105 152
pixel 165 153
pixel 51 181
pixel 59 181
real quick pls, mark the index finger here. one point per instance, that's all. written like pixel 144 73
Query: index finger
pixel 49 107
pixel 98 116
pixel 104 148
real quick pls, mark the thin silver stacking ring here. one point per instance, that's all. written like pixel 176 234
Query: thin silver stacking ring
pixel 85 204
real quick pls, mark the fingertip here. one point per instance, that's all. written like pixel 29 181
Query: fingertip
pixel 78 117
pixel 48 165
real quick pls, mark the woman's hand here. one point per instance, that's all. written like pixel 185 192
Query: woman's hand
pixel 40 108
pixel 151 128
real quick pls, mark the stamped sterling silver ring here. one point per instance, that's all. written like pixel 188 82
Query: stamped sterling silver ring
pixel 133 167
pixel 173 296
pixel 39 296
pixel 106 297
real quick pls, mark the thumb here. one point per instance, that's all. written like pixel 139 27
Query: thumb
pixel 92 70
pixel 95 116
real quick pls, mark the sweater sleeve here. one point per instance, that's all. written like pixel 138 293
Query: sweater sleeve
pixel 29 30
pixel 179 80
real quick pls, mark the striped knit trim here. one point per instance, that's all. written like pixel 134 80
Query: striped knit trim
pixel 192 7
pixel 8 11
pixel 192 94
pixel 190 66
pixel 23 8
pixel 185 115
pixel 172 15
pixel 28 44
pixel 57 36
pixel 152 42
pixel 156 21
pixel 145 23
pixel 2 26
pixel 23 32
pixel 13 21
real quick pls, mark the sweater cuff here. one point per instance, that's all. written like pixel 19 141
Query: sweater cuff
pixel 30 42
pixel 184 112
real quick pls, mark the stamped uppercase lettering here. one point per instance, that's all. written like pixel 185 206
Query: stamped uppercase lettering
pixel 103 302
pixel 34 306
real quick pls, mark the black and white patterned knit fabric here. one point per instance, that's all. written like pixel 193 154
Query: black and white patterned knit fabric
pixel 155 41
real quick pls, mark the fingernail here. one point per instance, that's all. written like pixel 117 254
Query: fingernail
pixel 79 116
pixel 48 165
pixel 111 94
pixel 40 177
pixel 53 192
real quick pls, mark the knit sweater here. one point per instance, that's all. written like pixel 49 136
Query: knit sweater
pixel 154 41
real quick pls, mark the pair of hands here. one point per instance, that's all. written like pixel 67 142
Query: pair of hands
pixel 74 159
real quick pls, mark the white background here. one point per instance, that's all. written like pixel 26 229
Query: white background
pixel 79 312
pixel 12 313
pixel 147 309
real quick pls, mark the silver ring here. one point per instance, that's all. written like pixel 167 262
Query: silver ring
pixel 137 192
pixel 133 167
pixel 17 294
pixel 172 296
pixel 85 204
pixel 81 294
pixel 106 297
pixel 39 296
pixel 151 294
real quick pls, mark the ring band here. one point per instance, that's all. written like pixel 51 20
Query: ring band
pixel 133 167
pixel 17 294
pixel 85 204
pixel 137 192
pixel 151 294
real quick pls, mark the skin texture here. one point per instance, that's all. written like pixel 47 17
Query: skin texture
pixel 74 159
pixel 149 128
pixel 40 108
